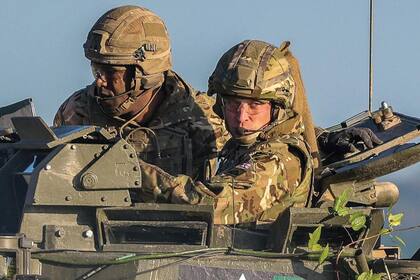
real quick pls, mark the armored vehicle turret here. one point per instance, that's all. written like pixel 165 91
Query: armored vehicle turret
pixel 67 212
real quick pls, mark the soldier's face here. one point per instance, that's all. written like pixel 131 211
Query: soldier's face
pixel 112 82
pixel 115 80
pixel 244 116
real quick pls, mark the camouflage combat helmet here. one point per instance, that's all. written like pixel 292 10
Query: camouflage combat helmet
pixel 131 35
pixel 256 70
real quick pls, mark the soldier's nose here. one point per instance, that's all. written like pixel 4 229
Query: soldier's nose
pixel 101 83
pixel 243 115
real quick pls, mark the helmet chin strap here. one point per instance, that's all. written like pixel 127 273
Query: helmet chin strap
pixel 249 136
pixel 132 120
pixel 139 85
pixel 123 107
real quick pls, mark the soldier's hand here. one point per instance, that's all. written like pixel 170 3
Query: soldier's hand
pixel 184 192
pixel 9 138
pixel 345 141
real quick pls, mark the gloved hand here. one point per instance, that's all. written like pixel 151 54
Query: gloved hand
pixel 9 138
pixel 185 191
pixel 190 192
pixel 344 141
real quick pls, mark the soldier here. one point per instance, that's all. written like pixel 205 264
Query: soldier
pixel 137 95
pixel 265 167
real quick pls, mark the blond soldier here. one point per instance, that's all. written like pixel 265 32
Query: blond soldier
pixel 137 95
pixel 265 167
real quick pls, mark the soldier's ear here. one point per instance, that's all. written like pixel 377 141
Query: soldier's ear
pixel 130 75
pixel 278 112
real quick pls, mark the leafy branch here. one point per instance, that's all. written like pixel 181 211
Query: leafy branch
pixel 357 221
pixel 314 246
pixel 369 276
pixel 394 221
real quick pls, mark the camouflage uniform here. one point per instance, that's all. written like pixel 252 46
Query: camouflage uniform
pixel 258 182
pixel 264 172
pixel 187 131
pixel 182 135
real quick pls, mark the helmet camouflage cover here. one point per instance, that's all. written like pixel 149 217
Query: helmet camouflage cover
pixel 256 70
pixel 130 35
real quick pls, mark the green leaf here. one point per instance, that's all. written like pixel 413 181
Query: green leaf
pixel 341 201
pixel 324 255
pixel 314 239
pixel 384 231
pixel 399 239
pixel 395 220
pixel 370 276
pixel 376 276
pixel 344 211
pixel 316 248
pixel 357 220
pixel 364 276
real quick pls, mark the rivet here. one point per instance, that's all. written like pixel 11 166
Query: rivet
pixel 132 155
pixel 137 183
pixel 126 199
pixel 88 233
pixel 125 146
pixel 104 147
pixel 136 168
pixel 73 147
pixel 89 180
pixel 68 198
pixel 103 199
pixel 59 233
pixel 47 167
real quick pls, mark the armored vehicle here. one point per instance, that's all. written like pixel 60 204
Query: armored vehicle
pixel 67 212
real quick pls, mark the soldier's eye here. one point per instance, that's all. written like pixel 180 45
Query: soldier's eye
pixel 254 105
pixel 232 104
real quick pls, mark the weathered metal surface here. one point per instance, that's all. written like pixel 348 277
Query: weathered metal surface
pixel 200 268
pixel 35 219
pixel 367 193
pixel 55 179
pixel 388 162
pixel 153 223
pixel 34 133
pixel 116 167
pixel 69 237
pixel 291 229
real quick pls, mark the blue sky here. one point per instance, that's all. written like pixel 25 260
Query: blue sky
pixel 42 54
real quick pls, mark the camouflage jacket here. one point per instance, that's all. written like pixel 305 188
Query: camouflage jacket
pixel 182 137
pixel 257 182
